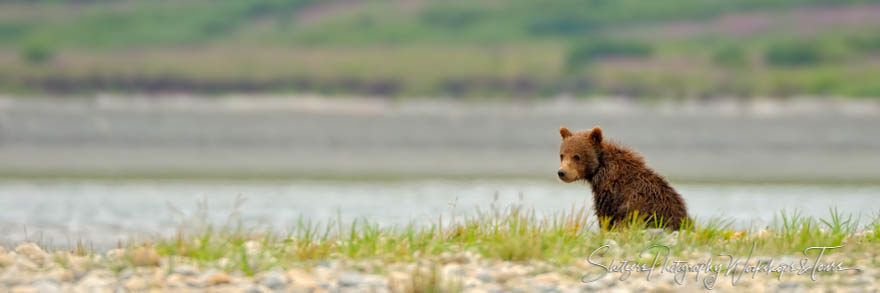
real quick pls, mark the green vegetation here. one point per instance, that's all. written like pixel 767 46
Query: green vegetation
pixel 668 48
pixel 512 234
pixel 583 54
pixel 730 56
pixel 793 54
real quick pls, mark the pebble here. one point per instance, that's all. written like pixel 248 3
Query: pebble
pixel 135 284
pixel 30 269
pixel 484 276
pixel 213 278
pixel 185 270
pixel 301 280
pixel 145 256
pixel 253 248
pixel 96 281
pixel 274 280
pixel 12 277
pixel 33 253
pixel 257 289
pixel 115 254
pixel 44 286
pixel 350 279
pixel 6 260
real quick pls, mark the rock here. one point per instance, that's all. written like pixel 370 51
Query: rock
pixel 546 288
pixel 399 281
pixel 79 265
pixel 350 279
pixel 253 248
pixel 326 264
pixel 493 288
pixel 46 286
pixel 376 284
pixel 664 288
pixel 257 289
pixel 471 283
pixel 225 288
pixel 135 284
pixel 452 271
pixel 184 270
pixel 300 280
pixel 223 262
pixel 447 258
pixel 273 280
pixel 504 276
pixel 242 281
pixel 176 281
pixel 484 276
pixel 25 263
pixel 96 281
pixel 33 253
pixel 593 286
pixel 12 277
pixel 762 233
pixel 23 289
pixel 60 275
pixel 115 254
pixel 125 274
pixel 145 256
pixel 789 286
pixel 327 286
pixel 548 278
pixel 862 281
pixel 212 278
pixel 6 260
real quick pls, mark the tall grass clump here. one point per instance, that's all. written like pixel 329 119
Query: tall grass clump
pixel 512 233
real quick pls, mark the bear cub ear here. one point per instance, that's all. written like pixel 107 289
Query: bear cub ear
pixel 564 132
pixel 596 135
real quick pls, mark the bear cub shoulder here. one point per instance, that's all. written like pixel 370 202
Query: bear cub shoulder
pixel 622 184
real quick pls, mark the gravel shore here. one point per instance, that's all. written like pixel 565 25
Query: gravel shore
pixel 28 268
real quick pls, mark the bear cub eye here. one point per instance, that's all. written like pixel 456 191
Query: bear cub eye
pixel 576 158
pixel 560 157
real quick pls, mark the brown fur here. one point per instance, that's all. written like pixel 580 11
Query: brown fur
pixel 622 184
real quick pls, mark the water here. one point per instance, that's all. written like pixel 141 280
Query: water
pixel 295 137
pixel 100 144
pixel 104 212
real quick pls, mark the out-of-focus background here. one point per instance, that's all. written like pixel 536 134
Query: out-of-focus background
pixel 400 111
pixel 670 49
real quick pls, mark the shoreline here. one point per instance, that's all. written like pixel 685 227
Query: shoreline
pixel 304 137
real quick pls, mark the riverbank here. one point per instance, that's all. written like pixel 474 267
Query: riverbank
pixel 500 251
pixel 761 140
pixel 27 269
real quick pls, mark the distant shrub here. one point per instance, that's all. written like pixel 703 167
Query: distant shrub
pixel 586 52
pixel 452 16
pixel 36 52
pixel 564 23
pixel 797 53
pixel 729 56
pixel 865 43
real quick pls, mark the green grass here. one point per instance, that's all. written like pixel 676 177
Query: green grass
pixel 511 234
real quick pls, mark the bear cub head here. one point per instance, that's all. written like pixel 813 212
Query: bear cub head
pixel 579 154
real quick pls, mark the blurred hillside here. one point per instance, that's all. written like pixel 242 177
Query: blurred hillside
pixel 504 48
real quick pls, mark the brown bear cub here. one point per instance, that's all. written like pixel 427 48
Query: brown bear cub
pixel 621 182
